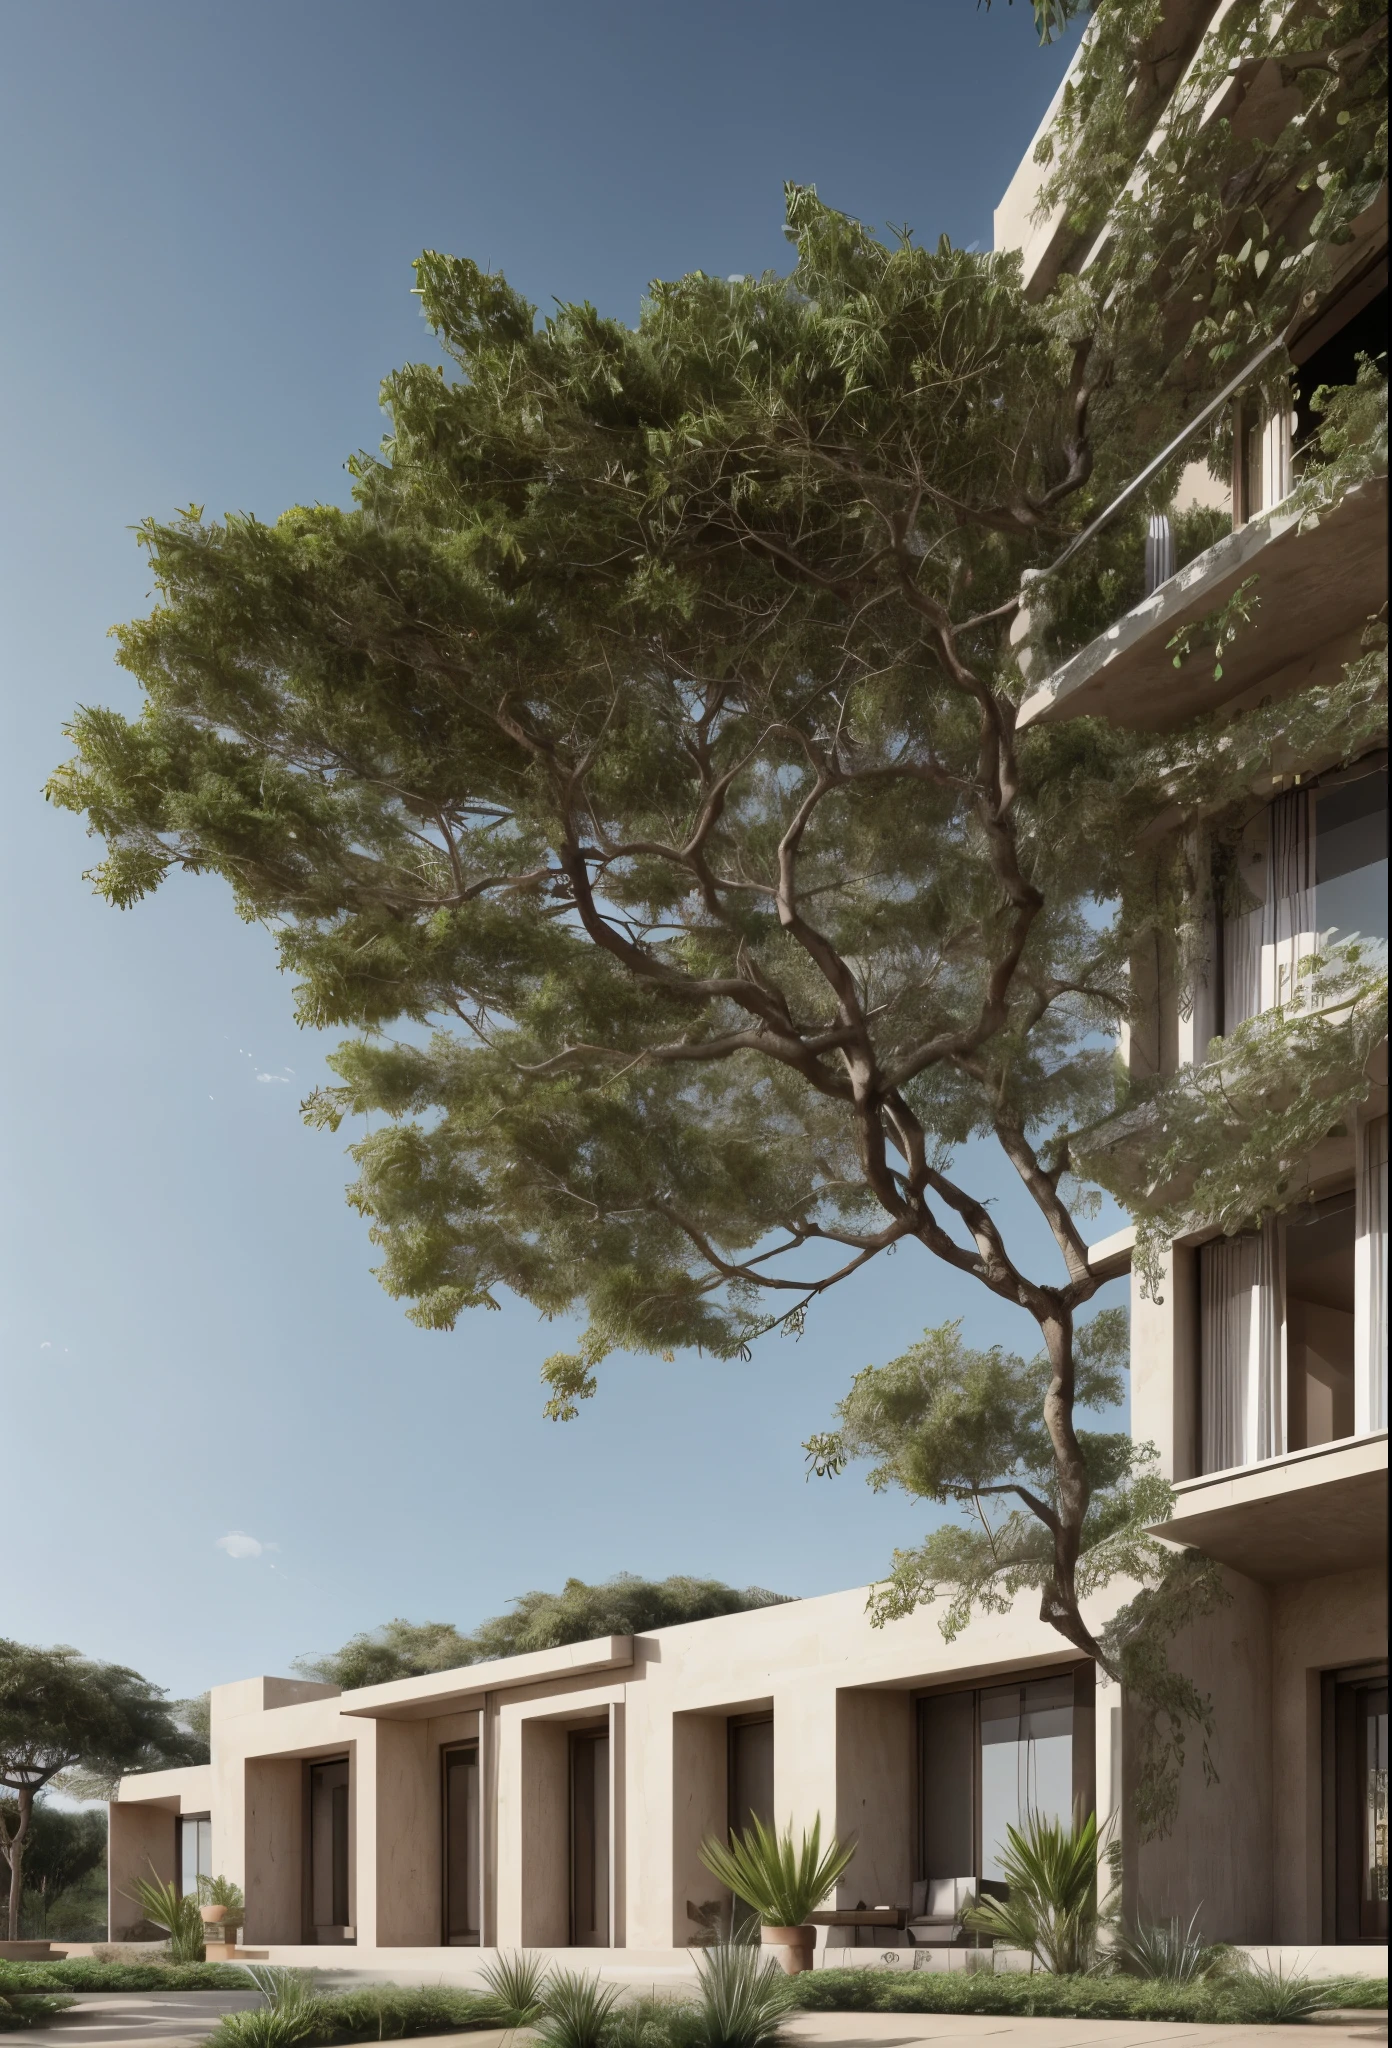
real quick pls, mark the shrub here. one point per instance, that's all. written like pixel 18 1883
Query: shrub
pixel 20 2009
pixel 84 1973
pixel 1212 2000
pixel 781 1883
pixel 392 2012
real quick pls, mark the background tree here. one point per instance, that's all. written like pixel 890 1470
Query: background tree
pixel 649 730
pixel 65 1851
pixel 622 1606
pixel 59 1710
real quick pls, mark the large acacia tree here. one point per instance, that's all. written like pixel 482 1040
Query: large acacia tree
pixel 647 732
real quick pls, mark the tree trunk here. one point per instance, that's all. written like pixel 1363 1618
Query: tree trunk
pixel 14 1854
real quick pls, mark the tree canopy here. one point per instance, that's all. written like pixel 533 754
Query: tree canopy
pixel 579 1613
pixel 635 769
pixel 60 1710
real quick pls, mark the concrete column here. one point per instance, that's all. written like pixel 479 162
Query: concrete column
pixel 875 1795
pixel 1165 1364
pixel 142 1844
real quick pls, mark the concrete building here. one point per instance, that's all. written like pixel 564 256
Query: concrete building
pixel 558 1801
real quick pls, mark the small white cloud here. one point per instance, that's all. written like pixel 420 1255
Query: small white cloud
pixel 238 1544
pixel 282 1078
pixel 47 1344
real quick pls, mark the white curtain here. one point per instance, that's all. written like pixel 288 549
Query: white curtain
pixel 1370 1280
pixel 1242 1341
pixel 1262 948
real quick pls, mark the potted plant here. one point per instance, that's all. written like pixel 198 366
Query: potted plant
pixel 783 1884
pixel 220 1901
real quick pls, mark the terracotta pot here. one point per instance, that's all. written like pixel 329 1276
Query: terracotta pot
pixel 212 1916
pixel 792 1946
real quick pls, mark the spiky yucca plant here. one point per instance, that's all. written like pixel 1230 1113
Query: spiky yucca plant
pixel 744 1997
pixel 167 1907
pixel 576 2011
pixel 1051 1884
pixel 517 1985
pixel 782 1883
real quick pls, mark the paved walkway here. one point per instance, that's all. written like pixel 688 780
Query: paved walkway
pixel 182 2019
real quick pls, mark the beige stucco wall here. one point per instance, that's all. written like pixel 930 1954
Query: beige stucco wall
pixel 1217 1858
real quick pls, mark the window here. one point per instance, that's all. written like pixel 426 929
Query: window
pixel 1286 1313
pixel 1320 1323
pixel 750 1770
pixel 195 1850
pixel 463 1865
pixel 589 1839
pixel 328 1851
pixel 989 1758
pixel 1311 872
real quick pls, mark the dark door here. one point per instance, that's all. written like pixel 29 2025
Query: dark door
pixel 328 1850
pixel 589 1839
pixel 1360 1809
pixel 463 1868
pixel 751 1770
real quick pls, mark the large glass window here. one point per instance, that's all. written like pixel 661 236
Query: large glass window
pixel 195 1850
pixel 1278 1336
pixel 991 1757
pixel 463 1867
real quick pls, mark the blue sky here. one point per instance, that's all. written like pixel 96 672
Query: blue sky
pixel 225 1446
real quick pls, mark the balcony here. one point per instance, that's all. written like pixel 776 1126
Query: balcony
pixel 1302 1516
pixel 1317 589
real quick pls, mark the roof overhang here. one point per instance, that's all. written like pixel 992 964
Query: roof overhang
pixel 453 1692
pixel 1298 1517
pixel 1318 584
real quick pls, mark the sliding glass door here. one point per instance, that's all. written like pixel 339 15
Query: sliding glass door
pixel 463 1865
pixel 1356 1873
pixel 991 1756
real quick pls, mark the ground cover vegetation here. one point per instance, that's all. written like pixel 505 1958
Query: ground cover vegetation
pixel 634 769
pixel 623 1605
pixel 62 1713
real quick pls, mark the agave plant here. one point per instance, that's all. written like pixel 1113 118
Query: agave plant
pixel 782 1883
pixel 743 2000
pixel 1170 1949
pixel 517 1986
pixel 167 1906
pixel 576 2010
pixel 1050 1907
pixel 1266 1994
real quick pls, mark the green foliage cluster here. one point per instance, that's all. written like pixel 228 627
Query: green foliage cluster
pixel 579 1613
pixel 1237 2000
pixel 87 1973
pixel 783 1881
pixel 162 1903
pixel 64 1870
pixel 1216 220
